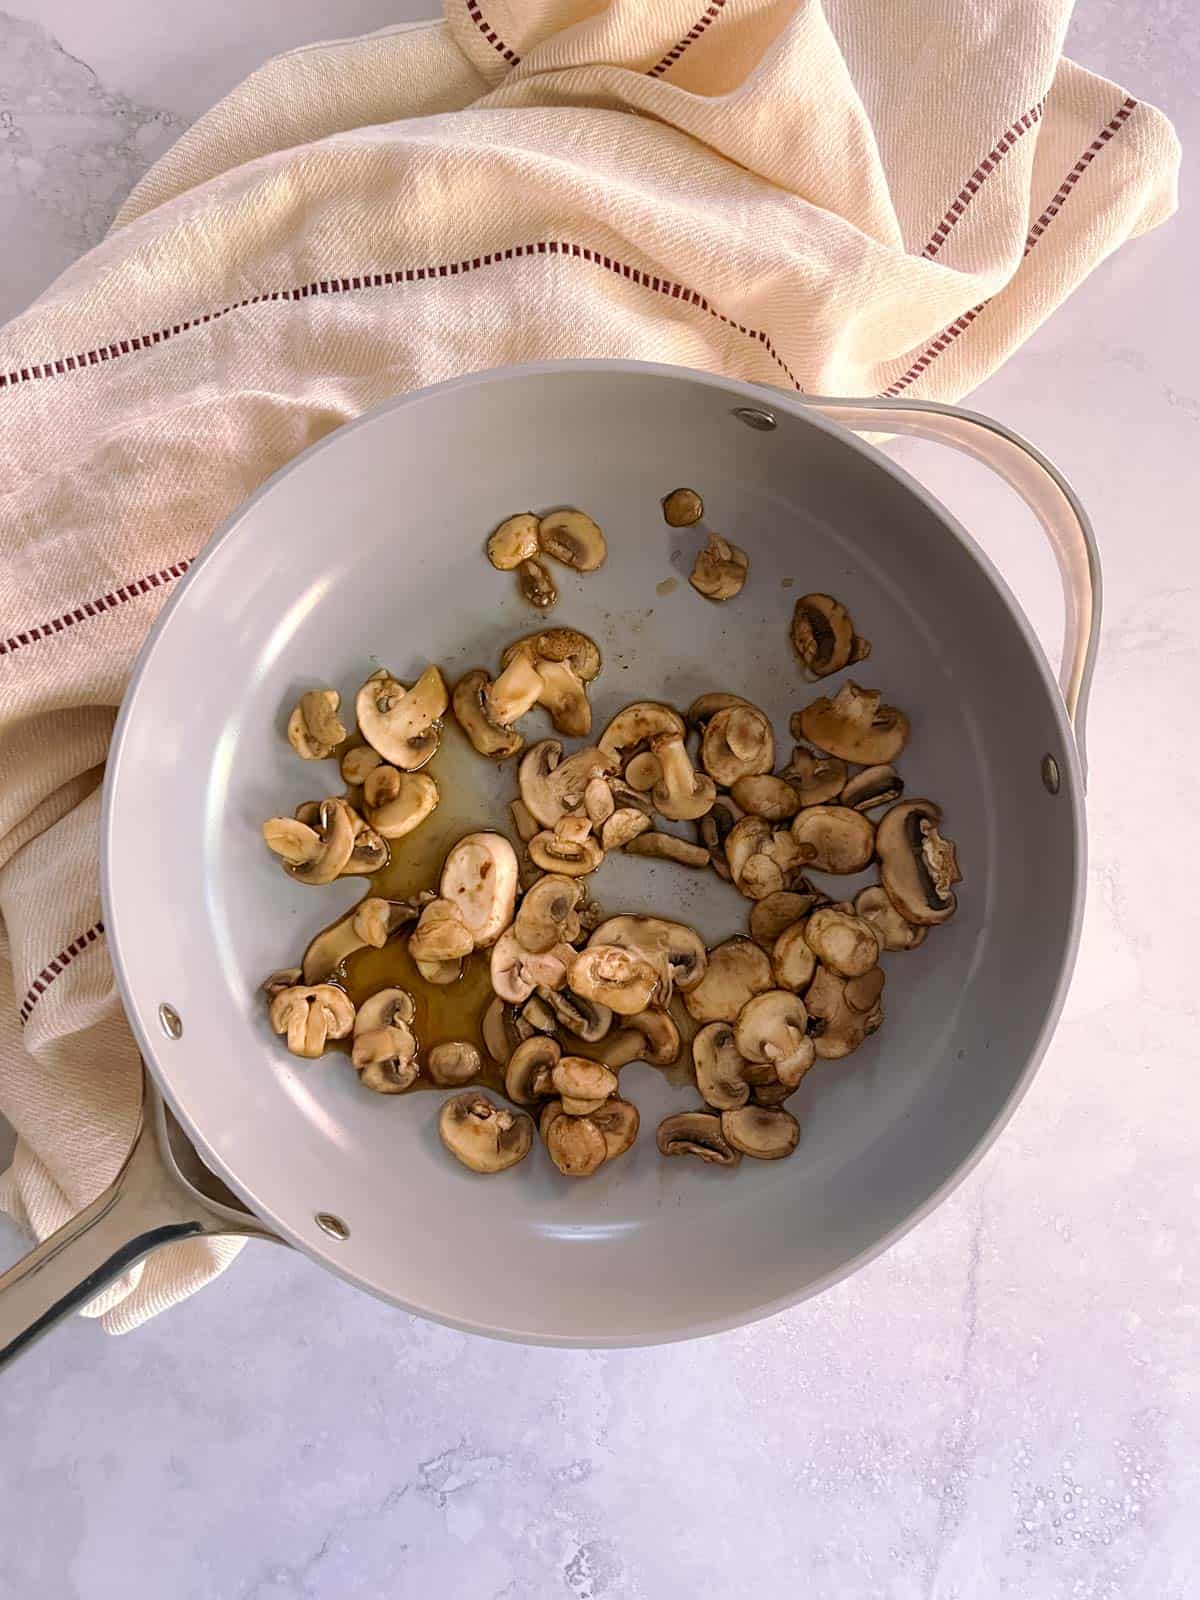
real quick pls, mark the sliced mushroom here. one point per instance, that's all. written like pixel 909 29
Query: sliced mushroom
pixel 370 923
pixel 480 877
pixel 681 794
pixel 500 1037
pixel 453 1062
pixel 768 1133
pixel 623 826
pixel 842 941
pixel 524 821
pixel 893 930
pixel 720 1069
pixel 715 828
pixel 516 972
pixel 761 859
pixel 358 762
pixel 765 796
pixel 843 1011
pixel 314 854
pixel 823 636
pixel 404 725
pixel 650 1036
pixel 737 743
pixel 386 1058
pixel 773 916
pixel 667 847
pixel 441 934
pixel 618 1122
pixel 697 1133
pixel 310 1016
pixel 547 915
pixel 397 802
pixel 560 850
pixel 582 1085
pixel 856 726
pixel 737 970
pixel 918 867
pixel 527 1077
pixel 633 728
pixel 872 787
pixel 720 569
pixel 386 1009
pixel 772 1029
pixel 514 541
pixel 552 788
pixel 564 662
pixel 621 979
pixel 476 718
pixel 643 771
pixel 816 779
pixel 840 840
pixel 598 802
pixel 705 707
pixel 572 537
pixel 537 587
pixel 772 1094
pixel 369 853
pixel 482 1135
pixel 314 730
pixel 587 1020
pixel 574 1144
pixel 535 1016
pixel 792 959
pixel 674 948
pixel 682 508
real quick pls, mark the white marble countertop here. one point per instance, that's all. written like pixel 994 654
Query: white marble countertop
pixel 1005 1404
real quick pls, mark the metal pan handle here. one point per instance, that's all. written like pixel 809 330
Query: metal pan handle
pixel 148 1204
pixel 1044 490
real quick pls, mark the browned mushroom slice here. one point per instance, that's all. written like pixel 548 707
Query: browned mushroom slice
pixel 872 787
pixel 582 1085
pixel 737 970
pixel 765 796
pixel 356 763
pixel 697 1133
pixel 527 1077
pixel 440 934
pixel 618 1123
pixel 314 853
pixel 514 541
pixel 764 1132
pixel 314 730
pixel 816 779
pixel 475 716
pixel 792 960
pixel 705 707
pixel 633 728
pixel 397 802
pixel 682 508
pixel 843 1011
pixel 479 876
pixel 737 743
pixel 562 850
pixel 386 1058
pixel 537 587
pixel 893 931
pixel 454 1062
pixel 552 788
pixel 773 916
pixel 715 828
pixel 823 636
pixel 573 538
pixel 369 853
pixel 311 1016
pixel 587 1020
pixel 856 726
pixel 842 941
pixel 681 794
pixel 623 980
pixel 403 724
pixel 772 1031
pixel 575 1144
pixel 482 1135
pixel 667 847
pixel 625 824
pixel 547 914
pixel 650 1036
pixel 720 1069
pixel 563 661
pixel 370 923
pixel 677 950
pixel 918 867
pixel 500 1037
pixel 720 569
pixel 841 840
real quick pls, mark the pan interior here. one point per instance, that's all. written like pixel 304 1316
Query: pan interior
pixel 368 550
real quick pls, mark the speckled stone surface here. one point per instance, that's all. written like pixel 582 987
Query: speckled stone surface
pixel 1005 1404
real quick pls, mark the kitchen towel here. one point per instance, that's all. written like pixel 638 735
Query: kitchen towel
pixel 838 197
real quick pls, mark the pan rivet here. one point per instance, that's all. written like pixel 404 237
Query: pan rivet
pixel 764 421
pixel 333 1226
pixel 1050 775
pixel 172 1022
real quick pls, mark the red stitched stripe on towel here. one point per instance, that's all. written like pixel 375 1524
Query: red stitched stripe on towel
pixel 54 969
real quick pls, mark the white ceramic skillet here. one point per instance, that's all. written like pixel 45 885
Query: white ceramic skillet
pixel 369 547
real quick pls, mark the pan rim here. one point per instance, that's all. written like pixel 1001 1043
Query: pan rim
pixel 150 1047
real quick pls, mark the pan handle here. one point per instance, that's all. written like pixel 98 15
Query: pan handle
pixel 148 1204
pixel 1044 490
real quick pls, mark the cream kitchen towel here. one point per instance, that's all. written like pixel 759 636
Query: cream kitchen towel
pixel 842 197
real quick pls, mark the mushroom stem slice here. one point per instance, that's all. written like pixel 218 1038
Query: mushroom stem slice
pixel 536 585
pixel 682 508
pixel 767 1133
pixel 667 847
pixel 681 794
pixel 485 1137
pixel 697 1133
